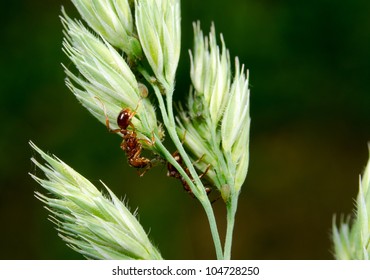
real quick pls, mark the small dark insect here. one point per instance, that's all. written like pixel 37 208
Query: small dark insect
pixel 172 172
pixel 130 143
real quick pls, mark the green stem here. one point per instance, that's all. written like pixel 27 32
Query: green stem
pixel 213 226
pixel 175 138
pixel 203 196
pixel 205 202
pixel 231 207
pixel 168 119
pixel 197 189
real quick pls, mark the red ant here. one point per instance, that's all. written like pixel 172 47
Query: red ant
pixel 130 143
pixel 173 172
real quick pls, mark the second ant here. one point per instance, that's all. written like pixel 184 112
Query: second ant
pixel 173 172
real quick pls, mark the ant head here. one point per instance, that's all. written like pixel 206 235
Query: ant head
pixel 124 118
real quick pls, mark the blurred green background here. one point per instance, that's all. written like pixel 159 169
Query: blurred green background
pixel 310 98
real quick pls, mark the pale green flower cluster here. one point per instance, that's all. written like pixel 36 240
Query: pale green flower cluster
pixel 215 125
pixel 210 72
pixel 158 25
pixel 90 223
pixel 352 238
pixel 113 21
pixel 106 80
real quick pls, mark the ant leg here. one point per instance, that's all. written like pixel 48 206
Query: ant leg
pixel 150 143
pixel 146 168
pixel 123 145
pixel 138 152
pixel 214 200
pixel 199 159
pixel 153 162
pixel 153 139
pixel 106 117
pixel 133 114
pixel 205 172
pixel 141 162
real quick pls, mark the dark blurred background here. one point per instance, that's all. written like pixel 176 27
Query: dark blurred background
pixel 310 97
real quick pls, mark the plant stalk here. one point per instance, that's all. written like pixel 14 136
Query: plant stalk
pixel 204 202
pixel 231 208
pixel 198 189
